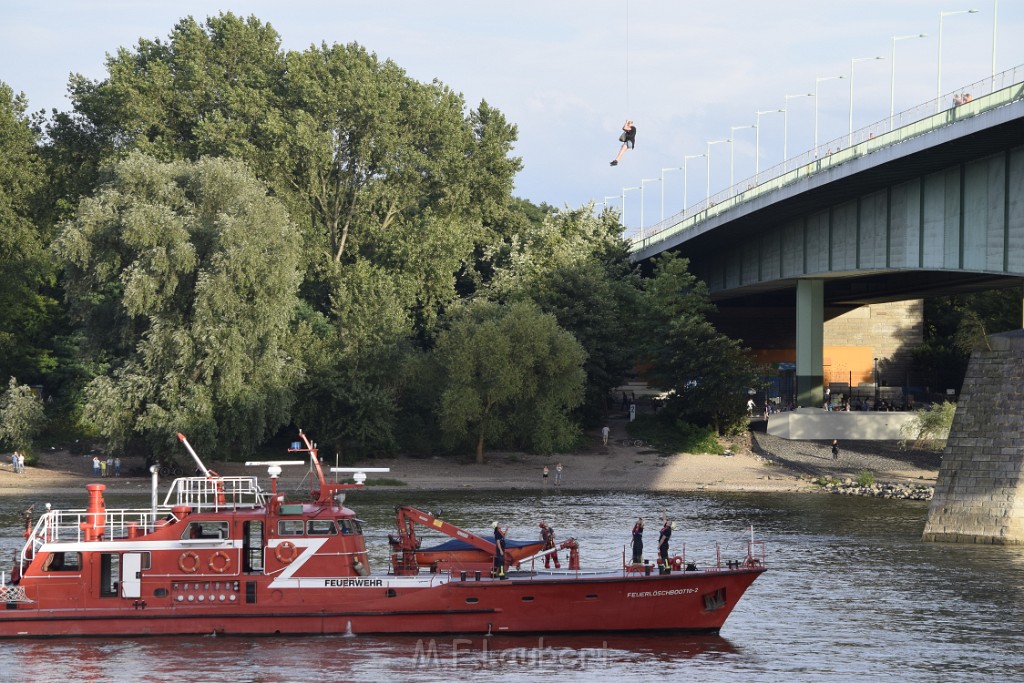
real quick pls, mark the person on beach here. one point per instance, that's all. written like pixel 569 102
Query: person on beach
pixel 544 475
pixel 95 466
pixel 835 449
pixel 638 541
pixel 558 474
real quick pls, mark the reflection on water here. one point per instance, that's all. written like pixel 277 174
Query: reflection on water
pixel 851 593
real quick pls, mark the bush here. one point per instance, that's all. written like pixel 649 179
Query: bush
pixel 930 426
pixel 670 435
pixel 865 478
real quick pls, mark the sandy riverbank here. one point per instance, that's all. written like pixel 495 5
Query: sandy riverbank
pixel 757 464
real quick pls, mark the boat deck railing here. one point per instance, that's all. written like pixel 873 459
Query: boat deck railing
pixel 212 494
pixel 78 526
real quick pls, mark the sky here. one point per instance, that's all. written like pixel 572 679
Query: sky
pixel 568 73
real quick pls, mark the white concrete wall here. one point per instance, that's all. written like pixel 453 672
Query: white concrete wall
pixel 815 424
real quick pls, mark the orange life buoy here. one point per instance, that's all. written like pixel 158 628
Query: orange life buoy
pixel 222 566
pixel 286 552
pixel 677 563
pixel 188 562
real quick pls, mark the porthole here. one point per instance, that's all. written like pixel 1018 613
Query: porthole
pixel 592 596
pixel 472 601
pixel 527 598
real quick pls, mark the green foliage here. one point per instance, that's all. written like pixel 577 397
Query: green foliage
pixel 184 277
pixel 511 376
pixel 26 310
pixel 823 480
pixel 22 417
pixel 706 373
pixel 670 435
pixel 930 426
pixel 865 478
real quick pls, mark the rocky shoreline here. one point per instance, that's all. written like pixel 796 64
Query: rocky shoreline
pixel 848 487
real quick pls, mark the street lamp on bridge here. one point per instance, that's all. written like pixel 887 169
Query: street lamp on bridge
pixel 785 124
pixel 849 142
pixel 757 140
pixel 938 82
pixel 674 168
pixel 642 181
pixel 816 82
pixel 685 159
pixel 892 80
pixel 732 156
pixel 707 187
pixel 624 191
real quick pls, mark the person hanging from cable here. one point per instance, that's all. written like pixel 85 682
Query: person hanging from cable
pixel 628 140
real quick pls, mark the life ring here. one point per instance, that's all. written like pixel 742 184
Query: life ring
pixel 221 567
pixel 188 562
pixel 677 563
pixel 286 552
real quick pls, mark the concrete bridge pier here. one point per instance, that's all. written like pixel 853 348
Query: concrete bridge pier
pixel 810 342
pixel 979 495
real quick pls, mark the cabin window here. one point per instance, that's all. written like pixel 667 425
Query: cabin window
pixel 200 530
pixel 145 560
pixel 290 527
pixel 110 574
pixel 713 601
pixel 347 526
pixel 321 527
pixel 252 546
pixel 63 562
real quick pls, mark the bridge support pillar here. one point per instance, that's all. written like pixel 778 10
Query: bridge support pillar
pixel 810 340
pixel 979 495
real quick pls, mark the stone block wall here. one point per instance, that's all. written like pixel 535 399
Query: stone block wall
pixel 891 330
pixel 979 495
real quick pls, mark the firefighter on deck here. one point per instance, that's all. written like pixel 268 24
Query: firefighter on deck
pixel 499 551
pixel 547 534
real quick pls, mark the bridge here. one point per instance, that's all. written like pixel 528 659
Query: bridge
pixel 927 203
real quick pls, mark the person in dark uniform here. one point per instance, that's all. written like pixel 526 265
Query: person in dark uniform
pixel 663 540
pixel 547 534
pixel 628 140
pixel 638 541
pixel 499 550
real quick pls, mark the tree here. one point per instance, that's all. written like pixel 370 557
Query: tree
pixel 575 265
pixel 22 417
pixel 185 277
pixel 705 372
pixel 511 377
pixel 25 274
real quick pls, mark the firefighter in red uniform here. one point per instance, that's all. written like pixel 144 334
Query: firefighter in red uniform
pixel 547 534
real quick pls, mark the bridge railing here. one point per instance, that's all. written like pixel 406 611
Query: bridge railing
pixel 989 93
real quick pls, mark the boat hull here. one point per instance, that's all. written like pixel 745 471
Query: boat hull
pixel 524 602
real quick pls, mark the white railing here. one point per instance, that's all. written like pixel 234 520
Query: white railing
pixel 204 494
pixel 989 93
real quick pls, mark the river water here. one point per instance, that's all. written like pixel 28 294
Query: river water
pixel 851 594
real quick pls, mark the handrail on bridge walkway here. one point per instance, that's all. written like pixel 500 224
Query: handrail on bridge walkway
pixel 1002 89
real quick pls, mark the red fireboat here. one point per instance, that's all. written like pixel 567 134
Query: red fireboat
pixel 221 555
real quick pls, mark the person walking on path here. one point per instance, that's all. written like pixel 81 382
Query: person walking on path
pixel 605 431
pixel 558 474
pixel 21 463
pixel 835 449
pixel 638 541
